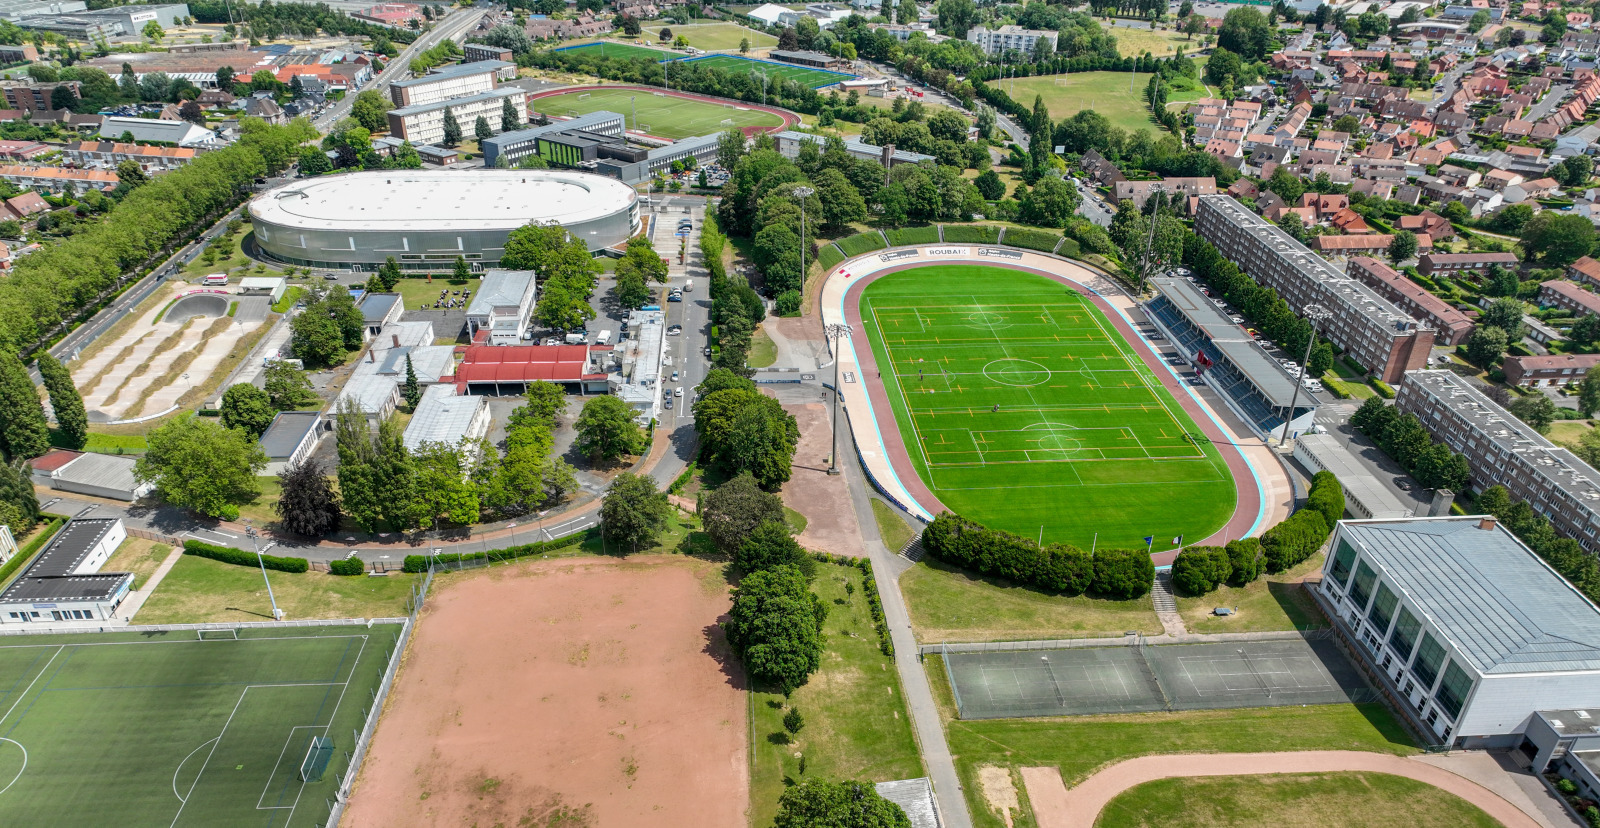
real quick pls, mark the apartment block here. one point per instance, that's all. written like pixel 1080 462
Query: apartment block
pixel 1378 335
pixel 997 41
pixel 1548 371
pixel 447 82
pixel 1452 327
pixel 1505 451
pixel 424 123
pixel 35 97
pixel 1451 264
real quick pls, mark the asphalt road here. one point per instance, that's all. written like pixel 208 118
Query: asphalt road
pixel 454 26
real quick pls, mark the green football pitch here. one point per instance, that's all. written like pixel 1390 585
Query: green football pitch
pixel 813 78
pixel 168 729
pixel 1023 409
pixel 659 114
pixel 621 50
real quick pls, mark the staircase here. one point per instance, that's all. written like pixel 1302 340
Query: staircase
pixel 1162 594
pixel 913 551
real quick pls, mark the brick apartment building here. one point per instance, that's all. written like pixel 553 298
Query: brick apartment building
pixel 1376 334
pixel 1585 270
pixel 448 82
pixel 1569 295
pixel 1452 327
pixel 1504 451
pixel 1451 264
pixel 1548 371
pixel 35 97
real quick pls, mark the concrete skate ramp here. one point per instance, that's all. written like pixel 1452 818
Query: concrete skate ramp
pixel 200 304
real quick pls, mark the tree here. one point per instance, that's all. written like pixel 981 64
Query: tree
pixel 1246 33
pixel 510 119
pixel 770 545
pixel 743 430
pixel 1051 203
pixel 630 291
pixel 481 129
pixel 443 490
pixel 247 408
pixel 24 433
pixel 990 186
pixel 1536 410
pixel 411 390
pixel 72 422
pixel 607 431
pixel 1122 573
pixel 1403 246
pixel 545 401
pixel 153 31
pixel 1589 392
pixel 62 98
pixel 744 45
pixel 848 804
pixel 633 512
pixel 370 110
pixel 308 506
pixel 1478 21
pixel 196 463
pixel 1321 359
pixel 19 506
pixel 1286 184
pixel 1486 344
pixel 225 76
pixel 775 627
pixel 1556 240
pixel 1499 281
pixel 452 129
pixel 630 25
pixel 1505 314
pixel 1223 64
pixel 793 721
pixel 1575 171
pixel 733 511
pixel 287 386
pixel 956 17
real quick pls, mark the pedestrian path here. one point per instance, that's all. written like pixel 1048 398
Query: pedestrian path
pixel 135 601
pixel 1166 603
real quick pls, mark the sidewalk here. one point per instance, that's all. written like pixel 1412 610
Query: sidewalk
pixel 135 600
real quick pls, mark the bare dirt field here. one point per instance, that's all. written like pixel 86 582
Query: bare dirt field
pixel 587 692
pixel 825 501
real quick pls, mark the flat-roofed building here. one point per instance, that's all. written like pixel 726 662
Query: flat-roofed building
pixel 446 82
pixel 291 439
pixel 64 582
pixel 508 369
pixel 1451 264
pixel 789 143
pixel 1504 451
pixel 100 475
pixel 1466 629
pixel 442 416
pixel 1009 38
pixel 181 133
pixel 515 146
pixel 1570 296
pixel 1381 337
pixel 815 60
pixel 1365 496
pixel 1451 326
pixel 474 52
pixel 1175 189
pixel 501 306
pixel 1551 371
pixel 424 123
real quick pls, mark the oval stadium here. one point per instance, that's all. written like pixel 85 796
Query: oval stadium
pixel 426 219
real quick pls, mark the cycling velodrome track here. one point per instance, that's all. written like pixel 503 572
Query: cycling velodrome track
pixel 1265 494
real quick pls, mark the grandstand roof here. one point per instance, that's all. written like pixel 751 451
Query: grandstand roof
pixel 1264 373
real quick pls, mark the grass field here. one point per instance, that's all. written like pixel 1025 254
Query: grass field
pixel 1022 409
pixel 856 726
pixel 949 604
pixel 1105 92
pixel 139 556
pixel 1271 602
pixel 814 78
pixel 1295 800
pixel 613 49
pixel 719 37
pixel 167 729
pixel 891 527
pixel 658 113
pixel 200 590
pixel 1135 42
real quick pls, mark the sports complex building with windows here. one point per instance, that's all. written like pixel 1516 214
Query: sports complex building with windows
pixel 427 219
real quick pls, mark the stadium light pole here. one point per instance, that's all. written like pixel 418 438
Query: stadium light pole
pixel 277 614
pixel 1314 314
pixel 835 332
pixel 803 193
pixel 1150 239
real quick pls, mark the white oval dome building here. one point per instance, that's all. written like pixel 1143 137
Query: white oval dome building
pixel 425 219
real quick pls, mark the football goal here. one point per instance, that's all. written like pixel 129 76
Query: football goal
pixel 316 759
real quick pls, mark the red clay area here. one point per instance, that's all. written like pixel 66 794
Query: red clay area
pixel 579 692
pixel 789 118
pixel 1246 506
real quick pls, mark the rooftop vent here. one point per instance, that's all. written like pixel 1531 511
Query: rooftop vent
pixel 1486 524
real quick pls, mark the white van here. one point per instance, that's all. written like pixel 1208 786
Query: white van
pixel 576 339
pixel 688 285
pixel 215 280
pixel 603 339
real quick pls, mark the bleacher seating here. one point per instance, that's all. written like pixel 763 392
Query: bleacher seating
pixel 1222 374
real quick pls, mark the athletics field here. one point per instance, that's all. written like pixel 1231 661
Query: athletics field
pixel 1023 409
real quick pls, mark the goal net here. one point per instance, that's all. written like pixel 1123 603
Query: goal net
pixel 218 634
pixel 727 122
pixel 318 753
pixel 584 95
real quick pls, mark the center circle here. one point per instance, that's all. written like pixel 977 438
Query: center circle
pixel 987 319
pixel 1021 373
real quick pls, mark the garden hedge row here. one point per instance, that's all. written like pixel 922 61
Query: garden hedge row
pixel 240 557
pixel 903 236
pixel 1327 497
pixel 419 563
pixel 1293 540
pixel 347 566
pixel 1032 239
pixel 861 243
pixel 29 548
pixel 1057 567
pixel 1069 248
pixel 972 233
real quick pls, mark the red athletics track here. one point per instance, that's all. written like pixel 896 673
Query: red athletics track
pixel 789 118
pixel 1248 504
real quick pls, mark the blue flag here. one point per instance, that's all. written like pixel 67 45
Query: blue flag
pixel 1149 539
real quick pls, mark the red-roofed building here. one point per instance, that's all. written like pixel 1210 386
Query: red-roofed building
pixel 497 370
pixel 1585 269
pixel 1549 371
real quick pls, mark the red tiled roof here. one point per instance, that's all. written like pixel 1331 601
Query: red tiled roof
pixel 524 363
pixel 53 460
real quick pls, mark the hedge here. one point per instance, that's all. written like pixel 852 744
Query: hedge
pixel 1293 540
pixel 27 550
pixel 869 587
pixel 972 233
pixel 913 235
pixel 1327 497
pixel 1200 569
pixel 1069 248
pixel 1057 567
pixel 419 563
pixel 861 243
pixel 240 557
pixel 829 256
pixel 1384 389
pixel 347 566
pixel 1244 561
pixel 1031 239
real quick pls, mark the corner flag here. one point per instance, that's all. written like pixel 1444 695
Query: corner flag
pixel 1177 541
pixel 1150 539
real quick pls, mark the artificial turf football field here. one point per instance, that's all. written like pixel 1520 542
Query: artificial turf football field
pixel 658 114
pixel 167 729
pixel 1085 440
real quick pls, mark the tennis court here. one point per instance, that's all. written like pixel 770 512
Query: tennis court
pixel 659 113
pixel 1140 679
pixel 1022 408
pixel 814 78
pixel 247 727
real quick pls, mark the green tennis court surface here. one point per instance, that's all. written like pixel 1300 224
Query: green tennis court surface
pixel 657 113
pixel 621 50
pixel 1023 409
pixel 167 729
pixel 813 78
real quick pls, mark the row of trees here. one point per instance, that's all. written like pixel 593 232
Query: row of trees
pixel 1261 305
pixel 1295 539
pixel 567 273
pixel 743 431
pixel 635 271
pixel 25 433
pixel 1200 569
pixel 1403 437
pixel 736 309
pixel 1056 567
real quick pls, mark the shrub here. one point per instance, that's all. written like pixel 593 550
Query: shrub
pixel 861 243
pixel 1200 569
pixel 869 588
pixel 972 233
pixel 1293 540
pixel 1069 248
pixel 793 721
pixel 1123 573
pixel 347 566
pixel 1384 390
pixel 787 303
pixel 1058 567
pixel 419 563
pixel 829 256
pixel 1031 239
pixel 240 557
pixel 1244 561
pixel 1566 787
pixel 913 235
pixel 1327 497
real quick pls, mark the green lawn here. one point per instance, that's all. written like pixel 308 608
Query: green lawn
pixel 139 556
pixel 1272 602
pixel 891 527
pixel 1323 800
pixel 718 37
pixel 613 49
pixel 1135 42
pixel 1015 398
pixel 763 351
pixel 200 590
pixel 950 604
pixel 152 729
pixel 1108 93
pixel 814 78
pixel 658 113
pixel 417 292
pixel 856 725
pixel 105 443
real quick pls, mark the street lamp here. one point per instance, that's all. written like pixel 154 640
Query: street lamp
pixel 835 332
pixel 1314 314
pixel 277 614
pixel 803 193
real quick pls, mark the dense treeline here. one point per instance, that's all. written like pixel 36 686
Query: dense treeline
pixel 736 309
pixel 270 21
pixel 64 279
pixel 1057 567
pixel 1403 437
pixel 1261 305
